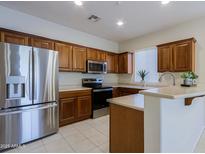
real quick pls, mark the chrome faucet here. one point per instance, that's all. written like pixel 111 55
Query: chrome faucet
pixel 168 73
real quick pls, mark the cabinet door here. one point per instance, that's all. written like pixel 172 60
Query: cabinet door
pixel 182 56
pixel 110 58
pixel 116 65
pixel 125 63
pixel 101 56
pixel 91 54
pixel 84 107
pixel 115 92
pixel 42 43
pixel 79 59
pixel 122 63
pixel 67 110
pixel 65 56
pixel 14 38
pixel 164 58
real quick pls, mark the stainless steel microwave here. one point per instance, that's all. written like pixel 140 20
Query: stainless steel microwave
pixel 96 67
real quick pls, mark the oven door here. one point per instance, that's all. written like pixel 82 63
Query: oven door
pixel 96 67
pixel 99 98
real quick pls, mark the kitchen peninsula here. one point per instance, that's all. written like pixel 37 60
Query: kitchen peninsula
pixel 170 118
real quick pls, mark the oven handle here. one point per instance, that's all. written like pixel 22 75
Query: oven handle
pixel 102 90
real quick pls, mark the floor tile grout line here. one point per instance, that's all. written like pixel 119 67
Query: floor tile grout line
pixel 68 143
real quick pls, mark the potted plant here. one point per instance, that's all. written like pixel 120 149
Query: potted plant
pixel 189 78
pixel 143 74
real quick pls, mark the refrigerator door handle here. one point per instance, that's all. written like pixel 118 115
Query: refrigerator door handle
pixel 30 78
pixel 27 109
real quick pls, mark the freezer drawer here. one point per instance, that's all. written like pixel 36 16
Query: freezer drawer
pixel 27 124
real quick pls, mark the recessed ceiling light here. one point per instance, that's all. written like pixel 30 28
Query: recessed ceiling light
pixel 79 3
pixel 120 23
pixel 165 2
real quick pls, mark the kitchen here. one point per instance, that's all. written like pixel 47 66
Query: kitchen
pixel 79 131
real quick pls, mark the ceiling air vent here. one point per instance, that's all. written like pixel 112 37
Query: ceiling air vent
pixel 94 18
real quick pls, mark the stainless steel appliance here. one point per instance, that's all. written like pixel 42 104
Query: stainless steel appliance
pixel 99 96
pixel 28 94
pixel 96 67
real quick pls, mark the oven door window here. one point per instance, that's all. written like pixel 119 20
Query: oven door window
pixel 94 67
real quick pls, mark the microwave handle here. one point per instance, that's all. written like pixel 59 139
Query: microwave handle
pixel 105 68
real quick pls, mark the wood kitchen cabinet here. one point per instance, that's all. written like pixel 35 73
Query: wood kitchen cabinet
pixel 79 59
pixel 65 54
pixel 15 38
pixel 116 63
pixel 83 107
pixel 126 130
pixel 101 56
pixel 74 106
pixel 122 91
pixel 164 58
pixel 178 56
pixel 184 56
pixel 91 54
pixel 42 43
pixel 112 62
pixel 67 110
pixel 94 54
pixel 110 58
pixel 125 63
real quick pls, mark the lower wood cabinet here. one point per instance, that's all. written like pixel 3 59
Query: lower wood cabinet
pixel 121 91
pixel 83 107
pixel 74 106
pixel 67 110
pixel 126 130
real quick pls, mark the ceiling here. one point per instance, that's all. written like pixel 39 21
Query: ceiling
pixel 140 17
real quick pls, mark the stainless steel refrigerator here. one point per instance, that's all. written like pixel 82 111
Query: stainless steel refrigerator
pixel 28 94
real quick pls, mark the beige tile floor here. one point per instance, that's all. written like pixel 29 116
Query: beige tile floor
pixel 88 136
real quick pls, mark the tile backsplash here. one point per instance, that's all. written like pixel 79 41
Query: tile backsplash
pixel 75 79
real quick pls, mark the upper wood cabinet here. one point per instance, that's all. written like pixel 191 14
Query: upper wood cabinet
pixel 42 43
pixel 79 59
pixel 15 38
pixel 164 58
pixel 112 62
pixel 184 56
pixel 110 58
pixel 101 56
pixel 94 54
pixel 125 63
pixel 116 63
pixel 177 56
pixel 91 54
pixel 65 55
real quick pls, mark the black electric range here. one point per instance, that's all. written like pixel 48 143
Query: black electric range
pixel 100 94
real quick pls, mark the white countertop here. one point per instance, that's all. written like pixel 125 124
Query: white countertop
pixel 174 92
pixel 72 88
pixel 135 101
pixel 132 86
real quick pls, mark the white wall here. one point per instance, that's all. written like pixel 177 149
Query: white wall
pixel 18 21
pixel 194 28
